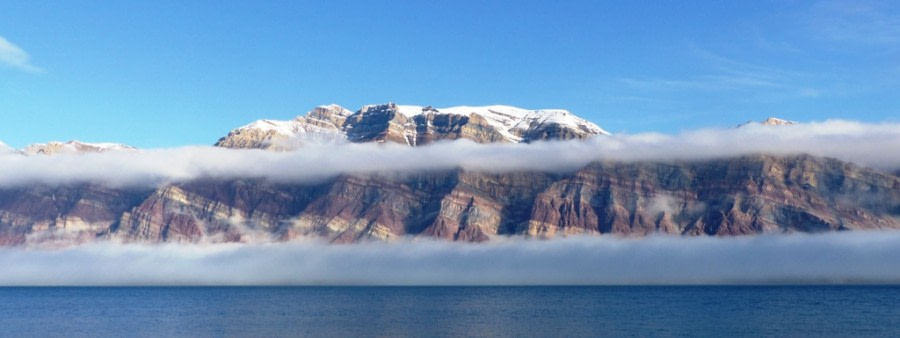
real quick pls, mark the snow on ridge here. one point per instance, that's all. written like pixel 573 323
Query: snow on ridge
pixel 509 121
pixel 292 126
pixel 511 118
pixel 774 121
pixel 74 146
pixel 334 107
pixel 281 127
pixel 293 133
pixel 507 117
pixel 771 121
pixel 97 145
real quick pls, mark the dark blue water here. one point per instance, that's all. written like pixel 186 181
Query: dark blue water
pixel 453 311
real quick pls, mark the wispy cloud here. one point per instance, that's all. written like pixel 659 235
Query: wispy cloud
pixel 858 257
pixel 15 57
pixel 727 74
pixel 863 22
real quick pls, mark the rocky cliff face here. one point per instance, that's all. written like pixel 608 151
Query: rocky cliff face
pixel 724 197
pixel 411 125
pixel 323 124
pixel 62 213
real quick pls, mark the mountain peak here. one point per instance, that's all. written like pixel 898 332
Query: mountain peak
pixel 413 125
pixel 774 121
pixel 771 121
pixel 74 146
pixel 332 109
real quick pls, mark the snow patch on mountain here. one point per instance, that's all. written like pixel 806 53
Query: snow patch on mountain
pixel 321 125
pixel 507 119
pixel 74 147
pixel 772 121
pixel 332 123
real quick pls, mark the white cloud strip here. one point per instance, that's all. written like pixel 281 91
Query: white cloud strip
pixel 860 257
pixel 13 56
pixel 866 144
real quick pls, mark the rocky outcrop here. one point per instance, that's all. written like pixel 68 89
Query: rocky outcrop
pixel 323 124
pixel 213 211
pixel 411 125
pixel 62 213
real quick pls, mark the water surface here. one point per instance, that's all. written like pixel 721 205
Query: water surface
pixel 452 311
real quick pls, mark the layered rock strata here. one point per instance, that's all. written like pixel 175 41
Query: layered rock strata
pixel 412 125
pixel 724 197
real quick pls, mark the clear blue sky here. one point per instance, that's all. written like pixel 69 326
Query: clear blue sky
pixel 166 73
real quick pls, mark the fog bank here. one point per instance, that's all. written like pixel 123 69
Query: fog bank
pixel 865 144
pixel 858 257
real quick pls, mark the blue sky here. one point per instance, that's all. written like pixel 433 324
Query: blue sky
pixel 168 73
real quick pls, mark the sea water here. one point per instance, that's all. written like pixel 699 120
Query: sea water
pixel 451 311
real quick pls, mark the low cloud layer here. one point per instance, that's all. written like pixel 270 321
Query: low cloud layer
pixel 865 144
pixel 861 257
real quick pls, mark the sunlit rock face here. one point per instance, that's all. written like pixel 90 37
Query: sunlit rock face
pixel 323 124
pixel 412 125
pixel 210 211
pixel 724 197
pixel 78 213
pixel 747 195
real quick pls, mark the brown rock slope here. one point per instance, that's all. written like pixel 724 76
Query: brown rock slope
pixel 723 197
pixel 73 212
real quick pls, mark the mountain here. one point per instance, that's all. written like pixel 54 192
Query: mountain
pixel 72 147
pixel 752 194
pixel 412 125
pixel 772 121
pixel 322 124
pixel 723 197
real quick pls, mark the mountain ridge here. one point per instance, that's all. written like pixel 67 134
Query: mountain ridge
pixel 722 196
pixel 745 195
pixel 73 146
pixel 412 125
pixel 323 125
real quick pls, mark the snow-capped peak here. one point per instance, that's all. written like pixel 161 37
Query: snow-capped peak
pixel 74 146
pixel 280 127
pixel 320 125
pixel 336 109
pixel 772 121
pixel 508 119
pixel 331 123
pixel 295 126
